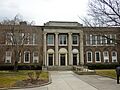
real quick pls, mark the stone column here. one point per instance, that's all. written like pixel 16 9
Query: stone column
pixel 81 49
pixel 70 48
pixel 44 46
pixel 56 49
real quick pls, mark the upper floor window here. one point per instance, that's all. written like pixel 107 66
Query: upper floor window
pixel 9 39
pixel 63 39
pixel 50 39
pixel 75 39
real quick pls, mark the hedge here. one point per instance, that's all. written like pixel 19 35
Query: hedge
pixel 102 65
pixel 21 67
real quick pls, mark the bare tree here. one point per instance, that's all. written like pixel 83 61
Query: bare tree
pixel 16 38
pixel 105 12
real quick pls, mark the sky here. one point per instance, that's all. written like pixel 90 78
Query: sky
pixel 42 11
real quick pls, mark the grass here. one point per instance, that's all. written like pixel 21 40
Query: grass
pixel 108 73
pixel 9 78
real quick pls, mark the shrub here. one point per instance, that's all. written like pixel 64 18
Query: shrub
pixel 21 67
pixel 102 65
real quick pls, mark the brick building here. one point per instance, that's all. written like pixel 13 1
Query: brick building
pixel 59 44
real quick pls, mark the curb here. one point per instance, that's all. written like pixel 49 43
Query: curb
pixel 33 86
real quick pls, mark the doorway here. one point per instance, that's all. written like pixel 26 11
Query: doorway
pixel 62 59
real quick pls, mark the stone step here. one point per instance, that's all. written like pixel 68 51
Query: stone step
pixel 59 68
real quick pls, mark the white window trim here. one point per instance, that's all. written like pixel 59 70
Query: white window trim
pixel 6 57
pixel 53 40
pixel 62 44
pixel 91 56
pixel 114 56
pixel 35 57
pixel 99 56
pixel 24 57
pixel 77 41
pixel 106 56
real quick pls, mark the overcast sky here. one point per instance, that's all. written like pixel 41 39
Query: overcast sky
pixel 42 11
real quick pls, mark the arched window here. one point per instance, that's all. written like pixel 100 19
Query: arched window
pixel 106 56
pixel 114 56
pixel 26 56
pixel 97 56
pixel 35 57
pixel 89 56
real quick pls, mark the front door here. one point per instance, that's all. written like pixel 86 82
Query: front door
pixel 50 59
pixel 74 59
pixel 62 59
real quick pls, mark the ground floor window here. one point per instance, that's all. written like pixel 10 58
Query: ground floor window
pixel 8 57
pixel 106 56
pixel 97 56
pixel 89 56
pixel 27 57
pixel 114 56
pixel 35 57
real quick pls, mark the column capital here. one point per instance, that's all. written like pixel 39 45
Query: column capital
pixel 45 33
pixel 56 33
pixel 70 33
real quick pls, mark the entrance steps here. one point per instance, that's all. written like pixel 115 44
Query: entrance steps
pixel 59 68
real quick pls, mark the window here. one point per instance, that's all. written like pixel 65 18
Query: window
pixel 108 39
pixel 113 36
pixel 26 38
pixel 8 57
pixel 63 39
pixel 106 56
pixel 34 38
pixel 35 57
pixel 75 39
pixel 88 39
pixel 93 40
pixel 98 40
pixel 50 39
pixel 89 56
pixel 26 57
pixel 9 39
pixel 114 56
pixel 97 56
pixel 20 56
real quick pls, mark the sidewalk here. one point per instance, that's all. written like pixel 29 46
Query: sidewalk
pixel 99 82
pixel 67 80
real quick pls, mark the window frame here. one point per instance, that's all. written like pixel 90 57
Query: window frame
pixel 63 40
pixel 76 41
pixel 88 56
pixel 50 44
pixel 25 58
pixel 99 56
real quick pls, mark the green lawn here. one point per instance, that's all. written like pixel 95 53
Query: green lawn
pixel 109 73
pixel 8 78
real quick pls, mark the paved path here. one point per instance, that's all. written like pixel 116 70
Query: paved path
pixel 101 83
pixel 67 80
pixel 64 80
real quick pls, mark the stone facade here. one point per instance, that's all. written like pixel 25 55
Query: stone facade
pixel 61 44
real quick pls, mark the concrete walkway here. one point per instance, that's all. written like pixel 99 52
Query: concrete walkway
pixel 67 80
